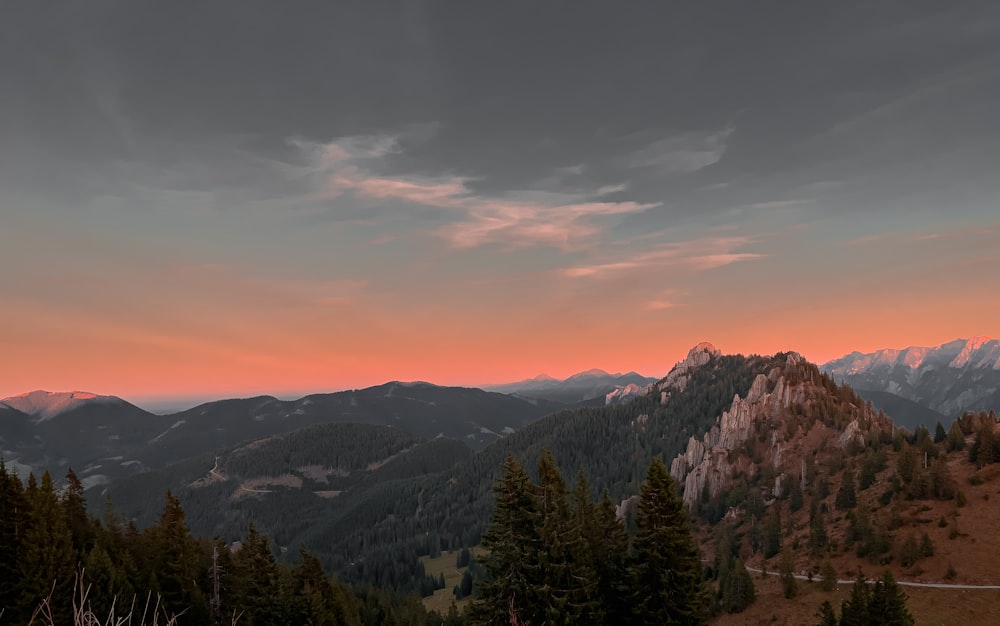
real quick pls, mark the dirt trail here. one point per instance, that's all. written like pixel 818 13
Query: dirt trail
pixel 902 583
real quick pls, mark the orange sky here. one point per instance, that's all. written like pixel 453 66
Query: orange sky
pixel 213 331
pixel 185 213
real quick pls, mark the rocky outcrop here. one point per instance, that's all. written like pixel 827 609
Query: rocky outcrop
pixel 707 464
pixel 678 377
pixel 622 393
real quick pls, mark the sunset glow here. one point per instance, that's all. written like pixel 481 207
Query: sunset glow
pixel 466 217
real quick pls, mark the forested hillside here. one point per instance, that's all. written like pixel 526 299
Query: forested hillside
pixel 284 484
pixel 60 566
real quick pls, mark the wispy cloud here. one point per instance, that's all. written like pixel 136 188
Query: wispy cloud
pixel 659 305
pixel 695 254
pixel 515 219
pixel 918 237
pixel 957 234
pixel 682 153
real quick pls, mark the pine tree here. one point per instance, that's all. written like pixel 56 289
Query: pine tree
pixel 829 576
pixel 956 438
pixel 789 585
pixel 255 580
pixel 981 452
pixel 737 587
pixel 887 603
pixel 772 532
pixel 939 433
pixel 324 604
pixel 47 561
pixel 666 567
pixel 854 610
pixel 609 551
pixel 12 526
pixel 177 563
pixel 847 497
pixel 568 577
pixel 110 585
pixel 75 507
pixel 827 616
pixel 511 589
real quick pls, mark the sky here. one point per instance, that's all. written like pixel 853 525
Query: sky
pixel 232 198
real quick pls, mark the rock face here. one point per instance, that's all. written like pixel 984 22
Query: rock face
pixel 678 377
pixel 708 463
pixel 622 393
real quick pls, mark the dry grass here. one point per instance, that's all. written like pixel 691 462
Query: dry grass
pixel 83 615
pixel 930 607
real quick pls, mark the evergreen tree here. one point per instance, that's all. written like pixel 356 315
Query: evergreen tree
pixel 256 580
pixel 772 532
pixel 789 585
pixel 47 560
pixel 511 589
pixel 568 577
pixel 847 497
pixel 176 563
pixel 609 552
pixel 887 603
pixel 75 507
pixel 736 586
pixel 981 452
pixel 827 616
pixel 12 527
pixel 956 438
pixel 110 585
pixel 854 610
pixel 323 603
pixel 829 576
pixel 666 568
pixel 939 434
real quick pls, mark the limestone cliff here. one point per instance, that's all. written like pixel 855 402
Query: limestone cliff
pixel 710 464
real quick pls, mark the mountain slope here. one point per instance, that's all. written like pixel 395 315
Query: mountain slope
pixel 282 483
pixel 903 412
pixel 950 378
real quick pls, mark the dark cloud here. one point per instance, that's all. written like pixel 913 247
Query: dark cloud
pixel 667 98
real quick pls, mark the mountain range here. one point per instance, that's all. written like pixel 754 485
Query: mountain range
pixel 104 437
pixel 593 386
pixel 961 375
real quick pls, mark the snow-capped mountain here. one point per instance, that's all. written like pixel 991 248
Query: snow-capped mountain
pixel 44 405
pixel 959 375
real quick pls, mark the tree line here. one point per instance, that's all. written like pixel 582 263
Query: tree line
pixel 48 539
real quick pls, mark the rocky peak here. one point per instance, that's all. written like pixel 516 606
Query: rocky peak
pixel 678 377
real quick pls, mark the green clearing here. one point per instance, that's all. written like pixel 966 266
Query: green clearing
pixel 445 564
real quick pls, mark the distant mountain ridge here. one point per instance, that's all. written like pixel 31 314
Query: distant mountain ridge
pixel 959 375
pixel 585 386
pixel 104 438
